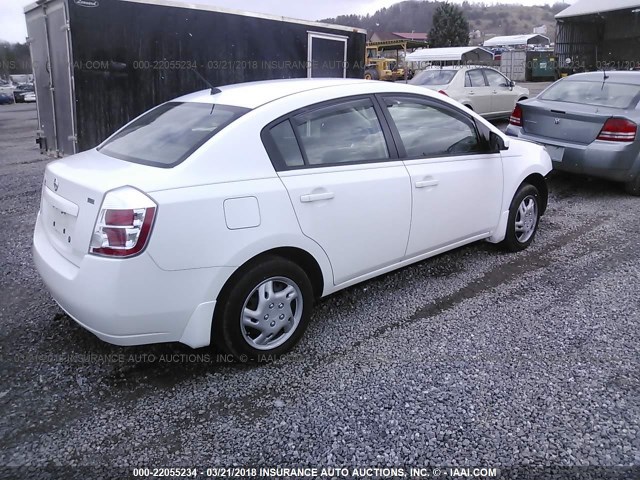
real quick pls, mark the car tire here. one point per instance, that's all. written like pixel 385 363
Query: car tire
pixel 288 301
pixel 524 218
pixel 633 187
pixel 371 74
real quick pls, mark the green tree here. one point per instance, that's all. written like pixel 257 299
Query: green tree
pixel 450 27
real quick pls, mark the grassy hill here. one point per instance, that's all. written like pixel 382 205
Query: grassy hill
pixel 491 20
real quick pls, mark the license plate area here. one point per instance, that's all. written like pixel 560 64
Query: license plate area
pixel 61 225
pixel 556 153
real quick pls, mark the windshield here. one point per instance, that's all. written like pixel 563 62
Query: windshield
pixel 166 135
pixel 599 94
pixel 433 77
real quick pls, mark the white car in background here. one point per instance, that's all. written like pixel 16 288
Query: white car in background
pixel 7 88
pixel 482 89
pixel 223 215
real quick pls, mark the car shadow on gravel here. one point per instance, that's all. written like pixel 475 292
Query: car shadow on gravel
pixel 133 370
pixel 127 368
pixel 566 185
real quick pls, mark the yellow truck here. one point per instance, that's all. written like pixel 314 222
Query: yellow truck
pixel 379 67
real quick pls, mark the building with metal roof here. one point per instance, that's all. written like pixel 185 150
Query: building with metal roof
pixel 451 54
pixel 387 36
pixel 517 40
pixel 592 34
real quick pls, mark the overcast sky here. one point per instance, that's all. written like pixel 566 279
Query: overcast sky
pixel 13 29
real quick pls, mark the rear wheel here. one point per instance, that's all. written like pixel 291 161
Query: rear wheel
pixel 266 312
pixel 633 187
pixel 524 216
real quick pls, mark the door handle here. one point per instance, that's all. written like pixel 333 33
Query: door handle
pixel 495 91
pixel 314 197
pixel 426 183
pixel 472 93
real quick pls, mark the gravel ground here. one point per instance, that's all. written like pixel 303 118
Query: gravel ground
pixel 473 358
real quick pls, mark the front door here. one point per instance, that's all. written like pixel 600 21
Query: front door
pixel 456 186
pixel 503 98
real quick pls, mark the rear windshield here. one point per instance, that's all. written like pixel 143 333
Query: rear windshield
pixel 168 134
pixel 433 77
pixel 599 94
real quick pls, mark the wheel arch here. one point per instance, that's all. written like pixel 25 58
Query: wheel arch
pixel 534 178
pixel 538 181
pixel 297 255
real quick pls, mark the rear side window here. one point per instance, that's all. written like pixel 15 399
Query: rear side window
pixel 341 133
pixel 600 94
pixel 334 134
pixel 286 144
pixel 168 134
pixel 433 77
pixel 474 78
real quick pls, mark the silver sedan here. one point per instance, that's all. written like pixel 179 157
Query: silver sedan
pixel 589 125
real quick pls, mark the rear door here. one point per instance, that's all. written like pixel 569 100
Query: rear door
pixel 477 91
pixel 349 190
pixel 456 185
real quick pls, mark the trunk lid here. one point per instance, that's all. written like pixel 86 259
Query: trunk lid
pixel 563 121
pixel 72 194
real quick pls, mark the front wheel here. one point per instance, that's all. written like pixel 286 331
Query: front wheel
pixel 266 312
pixel 524 217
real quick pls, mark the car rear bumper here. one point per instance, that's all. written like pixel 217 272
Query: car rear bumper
pixel 130 301
pixel 611 160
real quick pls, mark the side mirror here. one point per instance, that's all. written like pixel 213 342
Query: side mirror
pixel 497 143
pixel 512 84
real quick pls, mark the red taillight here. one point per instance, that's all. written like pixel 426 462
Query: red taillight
pixel 443 92
pixel 618 130
pixel 123 232
pixel 516 116
pixel 119 217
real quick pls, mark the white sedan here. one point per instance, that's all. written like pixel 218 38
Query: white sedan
pixel 222 215
pixel 482 89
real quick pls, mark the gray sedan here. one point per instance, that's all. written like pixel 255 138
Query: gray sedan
pixel 588 123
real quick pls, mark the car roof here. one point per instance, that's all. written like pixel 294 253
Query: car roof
pixel 613 76
pixel 254 94
pixel 457 67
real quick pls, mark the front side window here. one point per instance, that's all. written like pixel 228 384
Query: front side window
pixel 168 134
pixel 599 93
pixel 495 79
pixel 341 133
pixel 428 130
pixel 474 78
